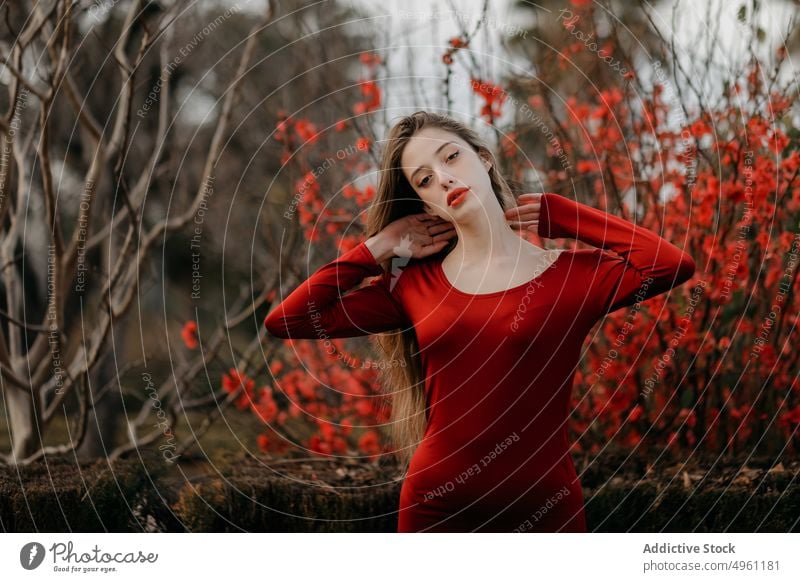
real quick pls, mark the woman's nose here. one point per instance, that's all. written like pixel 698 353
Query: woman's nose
pixel 445 179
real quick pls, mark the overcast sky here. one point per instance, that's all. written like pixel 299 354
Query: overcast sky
pixel 414 41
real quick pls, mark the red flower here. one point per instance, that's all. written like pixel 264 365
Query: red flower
pixel 189 334
pixel 699 128
pixel 363 407
pixel 306 130
pixel 308 185
pixel 369 193
pixel 587 166
pixel 317 445
pixel 536 101
pixel 263 442
pixel 234 380
pixel 327 430
pixel 339 445
pixel 265 409
pixel 372 92
pixel 346 427
pixel 493 96
pixel 370 59
pixel 370 89
pixel 791 416
pixel 363 143
pixel 349 191
pixel 341 125
pixel 457 42
pixel 369 443
pixel 672 440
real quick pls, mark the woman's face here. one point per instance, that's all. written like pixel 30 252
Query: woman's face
pixel 437 164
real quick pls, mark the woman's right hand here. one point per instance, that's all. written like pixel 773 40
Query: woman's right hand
pixel 416 236
pixel 525 216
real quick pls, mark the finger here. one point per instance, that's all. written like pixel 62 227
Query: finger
pixel 433 248
pixel 436 229
pixel 526 204
pixel 523 213
pixel 523 224
pixel 444 236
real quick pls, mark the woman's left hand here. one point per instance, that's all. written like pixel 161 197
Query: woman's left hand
pixel 526 214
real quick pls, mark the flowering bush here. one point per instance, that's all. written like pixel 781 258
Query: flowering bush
pixel 708 365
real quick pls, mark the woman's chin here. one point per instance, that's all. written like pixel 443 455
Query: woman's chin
pixel 466 211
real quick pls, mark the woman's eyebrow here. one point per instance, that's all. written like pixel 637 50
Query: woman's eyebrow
pixel 414 173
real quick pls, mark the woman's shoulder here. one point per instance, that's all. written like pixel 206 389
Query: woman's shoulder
pixel 401 270
pixel 588 259
pixel 592 256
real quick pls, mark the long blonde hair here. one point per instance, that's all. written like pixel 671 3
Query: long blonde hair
pixel 404 385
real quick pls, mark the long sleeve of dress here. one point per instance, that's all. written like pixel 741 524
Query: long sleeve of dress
pixel 318 309
pixel 643 264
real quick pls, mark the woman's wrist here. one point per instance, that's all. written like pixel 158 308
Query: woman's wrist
pixel 554 216
pixel 380 247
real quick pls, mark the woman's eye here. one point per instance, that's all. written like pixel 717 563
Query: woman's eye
pixel 450 157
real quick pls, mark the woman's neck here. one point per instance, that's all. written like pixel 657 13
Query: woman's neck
pixel 488 238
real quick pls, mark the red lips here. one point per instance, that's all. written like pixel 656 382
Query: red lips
pixel 456 196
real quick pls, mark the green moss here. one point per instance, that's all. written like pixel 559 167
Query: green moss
pixel 253 497
pixel 244 493
pixel 62 495
pixel 677 509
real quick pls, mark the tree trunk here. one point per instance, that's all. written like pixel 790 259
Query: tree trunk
pixel 24 424
pixel 102 419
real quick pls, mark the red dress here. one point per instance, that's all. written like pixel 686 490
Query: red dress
pixel 498 366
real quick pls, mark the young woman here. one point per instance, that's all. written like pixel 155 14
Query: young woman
pixel 490 326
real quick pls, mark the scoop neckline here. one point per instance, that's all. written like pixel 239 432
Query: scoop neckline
pixel 457 291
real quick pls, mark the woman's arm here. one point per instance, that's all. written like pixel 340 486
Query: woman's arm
pixel 640 254
pixel 317 310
